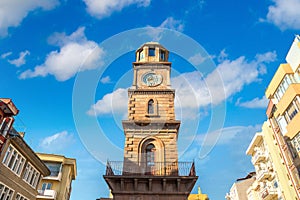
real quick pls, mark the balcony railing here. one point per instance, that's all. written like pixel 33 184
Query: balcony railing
pixel 268 193
pixel 47 194
pixel 118 168
pixel 259 155
pixel 263 174
pixel 56 177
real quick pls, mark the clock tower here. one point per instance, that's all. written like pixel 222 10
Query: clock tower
pixel 150 169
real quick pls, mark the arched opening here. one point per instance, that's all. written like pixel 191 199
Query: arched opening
pixel 150 151
pixel 150 155
pixel 151 107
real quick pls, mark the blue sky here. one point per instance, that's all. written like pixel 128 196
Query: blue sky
pixel 45 43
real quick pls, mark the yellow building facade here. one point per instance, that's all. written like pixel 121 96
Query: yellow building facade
pixel 283 113
pixel 199 196
pixel 271 180
pixel 275 151
pixel 58 185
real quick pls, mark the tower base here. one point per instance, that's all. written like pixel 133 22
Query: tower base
pixel 151 187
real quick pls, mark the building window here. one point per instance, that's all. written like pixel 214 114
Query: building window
pixel 296 142
pixel 282 124
pixel 151 106
pixel 54 168
pixel 150 155
pixel 31 175
pixel 292 110
pixel 141 55
pixel 46 186
pixel 162 55
pixel 5 125
pixel 14 160
pixel 20 197
pixel 151 52
pixel 5 192
pixel 287 80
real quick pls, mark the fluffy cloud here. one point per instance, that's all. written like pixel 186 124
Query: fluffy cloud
pixel 227 79
pixel 21 60
pixel 105 80
pixel 225 135
pixel 194 91
pixel 254 103
pixel 12 12
pixel 112 102
pixel 285 14
pixel 76 53
pixel 232 136
pixel 104 8
pixel 169 23
pixel 173 24
pixel 5 55
pixel 56 142
pixel 197 59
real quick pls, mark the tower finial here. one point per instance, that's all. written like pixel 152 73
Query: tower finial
pixel 199 190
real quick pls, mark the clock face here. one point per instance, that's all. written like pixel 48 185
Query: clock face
pixel 152 79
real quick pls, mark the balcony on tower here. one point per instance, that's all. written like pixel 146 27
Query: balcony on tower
pixel 119 168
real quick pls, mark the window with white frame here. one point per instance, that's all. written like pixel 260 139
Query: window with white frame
pixel 20 197
pixel 287 80
pixel 14 160
pixel 282 124
pixel 5 192
pixel 31 175
pixel 292 110
pixel 296 142
pixel 46 186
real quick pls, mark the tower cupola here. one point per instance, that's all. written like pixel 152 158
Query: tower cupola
pixel 152 52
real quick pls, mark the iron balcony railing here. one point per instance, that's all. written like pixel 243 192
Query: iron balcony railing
pixel 118 168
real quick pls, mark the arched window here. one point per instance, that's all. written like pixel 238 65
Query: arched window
pixel 151 106
pixel 150 155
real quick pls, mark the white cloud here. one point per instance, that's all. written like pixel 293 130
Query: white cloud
pixel 234 74
pixel 57 142
pixel 5 55
pixel 226 135
pixel 173 24
pixel 110 103
pixel 234 136
pixel 105 8
pixel 197 59
pixel 76 53
pixel 254 103
pixel 169 23
pixel 105 80
pixel 266 57
pixel 21 60
pixel 284 14
pixel 12 12
pixel 222 56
